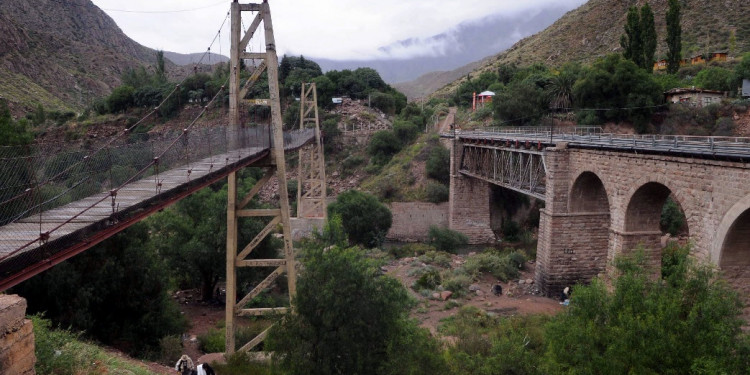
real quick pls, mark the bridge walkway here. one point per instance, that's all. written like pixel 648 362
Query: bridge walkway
pixel 48 231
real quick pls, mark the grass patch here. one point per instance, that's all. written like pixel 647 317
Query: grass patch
pixel 62 352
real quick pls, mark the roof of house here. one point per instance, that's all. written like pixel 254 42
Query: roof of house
pixel 692 90
pixel 486 93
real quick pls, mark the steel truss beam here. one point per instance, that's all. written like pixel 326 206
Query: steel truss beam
pixel 516 169
pixel 278 219
pixel 311 180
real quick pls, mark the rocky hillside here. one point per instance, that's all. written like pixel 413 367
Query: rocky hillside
pixel 594 29
pixel 63 54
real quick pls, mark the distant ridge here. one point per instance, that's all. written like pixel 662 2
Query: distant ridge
pixel 192 58
pixel 594 29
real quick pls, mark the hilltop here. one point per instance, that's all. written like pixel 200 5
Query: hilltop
pixel 594 29
pixel 65 54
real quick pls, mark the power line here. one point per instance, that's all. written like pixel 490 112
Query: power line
pixel 64 2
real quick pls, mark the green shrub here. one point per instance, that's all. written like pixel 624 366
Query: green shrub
pixel 409 250
pixel 438 164
pixel 437 193
pixel 383 145
pixel 352 161
pixel 366 220
pixel 458 283
pixel 405 131
pixel 672 218
pixel 437 258
pixel 240 363
pixel 502 267
pixel 170 347
pixel 428 280
pixel 511 230
pixel 445 239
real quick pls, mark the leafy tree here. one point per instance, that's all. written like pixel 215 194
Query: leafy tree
pixel 632 40
pixel 742 70
pixel 648 35
pixel 687 323
pixel 348 319
pixel 715 78
pixel 115 291
pixel 383 145
pixel 366 220
pixel 384 102
pixel 12 132
pixel 560 90
pixel 405 131
pixel 521 103
pixel 438 164
pixel 674 37
pixel 120 99
pixel 161 71
pixel 619 90
pixel 192 238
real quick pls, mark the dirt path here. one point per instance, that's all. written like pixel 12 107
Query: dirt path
pixel 450 119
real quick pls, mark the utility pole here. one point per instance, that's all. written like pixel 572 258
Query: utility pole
pixel 275 166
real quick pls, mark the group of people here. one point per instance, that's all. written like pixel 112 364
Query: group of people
pixel 185 366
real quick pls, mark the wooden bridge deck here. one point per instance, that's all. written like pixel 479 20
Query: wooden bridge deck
pixel 78 225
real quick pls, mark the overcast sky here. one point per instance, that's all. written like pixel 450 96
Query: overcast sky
pixel 343 29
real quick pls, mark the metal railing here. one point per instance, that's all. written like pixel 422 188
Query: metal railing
pixel 593 137
pixel 40 177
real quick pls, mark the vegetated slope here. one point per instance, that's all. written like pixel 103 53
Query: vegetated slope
pixel 594 29
pixel 63 54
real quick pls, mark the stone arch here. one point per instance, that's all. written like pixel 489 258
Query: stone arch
pixel 730 246
pixel 643 213
pixel 636 193
pixel 588 194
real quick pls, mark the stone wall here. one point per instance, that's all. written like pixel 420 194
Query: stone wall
pixel 16 337
pixel 304 227
pixel 469 204
pixel 412 220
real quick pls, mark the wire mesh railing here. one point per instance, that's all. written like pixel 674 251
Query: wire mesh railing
pixel 38 178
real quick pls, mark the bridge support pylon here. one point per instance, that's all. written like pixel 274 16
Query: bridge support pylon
pixel 238 207
pixel 311 179
pixel 469 203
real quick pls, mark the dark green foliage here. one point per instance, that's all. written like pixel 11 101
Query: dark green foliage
pixel 521 103
pixel 384 102
pixel 489 345
pixel 331 132
pixel 503 267
pixel 672 218
pixel 120 99
pixel 674 37
pixel 116 292
pixel 620 90
pixel 715 78
pixel 438 164
pixel 444 239
pixel 465 93
pixel 405 131
pixel 437 193
pixel 742 70
pixel 428 280
pixel 511 230
pixel 191 237
pixel 12 133
pixel 365 219
pixel 350 320
pixel 632 41
pixel 560 88
pixel 383 145
pixel 648 35
pixel 686 324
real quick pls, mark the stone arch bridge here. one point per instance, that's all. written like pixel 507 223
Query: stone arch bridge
pixel 604 195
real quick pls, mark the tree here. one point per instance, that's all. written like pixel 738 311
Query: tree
pixel 161 71
pixel 715 78
pixel 12 132
pixel 366 220
pixel 438 163
pixel 521 103
pixel 648 35
pixel 742 70
pixel 192 238
pixel 674 37
pixel 620 89
pixel 384 102
pixel 685 323
pixel 632 40
pixel 405 131
pixel 116 292
pixel 383 145
pixel 120 99
pixel 349 319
